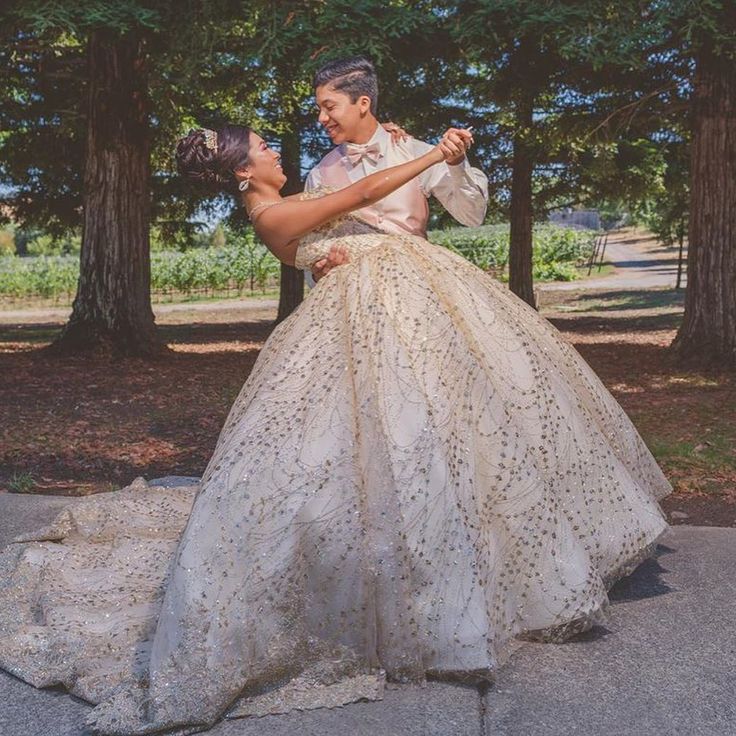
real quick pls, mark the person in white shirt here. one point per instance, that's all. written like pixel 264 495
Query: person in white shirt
pixel 346 92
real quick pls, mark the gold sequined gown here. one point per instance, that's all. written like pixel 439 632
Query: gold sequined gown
pixel 418 472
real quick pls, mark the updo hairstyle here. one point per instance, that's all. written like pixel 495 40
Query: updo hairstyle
pixel 215 167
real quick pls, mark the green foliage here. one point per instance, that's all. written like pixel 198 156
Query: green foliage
pixel 84 15
pixel 207 63
pixel 609 84
pixel 7 242
pixel 14 241
pixel 665 209
pixel 603 88
pixel 555 250
pixel 252 264
pixel 45 276
pixel 22 482
pixel 243 263
pixel 193 74
pixel 486 247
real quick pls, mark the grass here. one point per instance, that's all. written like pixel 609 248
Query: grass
pixel 661 300
pixel 605 270
pixel 714 453
pixel 21 483
pixel 181 298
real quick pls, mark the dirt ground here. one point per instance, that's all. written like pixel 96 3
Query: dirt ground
pixel 76 426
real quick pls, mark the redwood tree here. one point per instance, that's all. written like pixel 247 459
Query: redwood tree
pixel 708 331
pixel 77 139
pixel 534 90
pixel 291 292
pixel 697 41
pixel 112 308
pixel 522 169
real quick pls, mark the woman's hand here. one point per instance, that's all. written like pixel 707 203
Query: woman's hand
pixel 454 145
pixel 398 134
pixel 337 256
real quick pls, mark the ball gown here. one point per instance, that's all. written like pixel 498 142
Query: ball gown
pixel 418 473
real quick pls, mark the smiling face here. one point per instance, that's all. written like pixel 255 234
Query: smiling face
pixel 264 164
pixel 344 119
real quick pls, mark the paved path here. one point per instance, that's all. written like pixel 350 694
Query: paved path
pixel 638 264
pixel 61 314
pixel 664 664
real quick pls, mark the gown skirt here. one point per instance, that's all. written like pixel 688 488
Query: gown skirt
pixel 418 473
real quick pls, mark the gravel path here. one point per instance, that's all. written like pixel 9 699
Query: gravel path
pixel 61 314
pixel 640 263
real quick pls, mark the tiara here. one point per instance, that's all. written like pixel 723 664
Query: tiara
pixel 210 139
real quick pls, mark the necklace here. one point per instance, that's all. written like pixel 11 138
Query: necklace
pixel 259 207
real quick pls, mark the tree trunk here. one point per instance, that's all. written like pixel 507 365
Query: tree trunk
pixel 707 335
pixel 681 244
pixel 20 240
pixel 112 309
pixel 520 246
pixel 291 291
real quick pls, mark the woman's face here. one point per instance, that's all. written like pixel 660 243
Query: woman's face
pixel 264 164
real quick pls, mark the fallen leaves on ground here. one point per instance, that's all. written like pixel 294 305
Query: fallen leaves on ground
pixel 76 426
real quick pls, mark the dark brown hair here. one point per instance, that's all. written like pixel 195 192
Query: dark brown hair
pixel 354 76
pixel 214 168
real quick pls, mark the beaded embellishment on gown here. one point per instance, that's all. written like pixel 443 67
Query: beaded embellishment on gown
pixel 418 472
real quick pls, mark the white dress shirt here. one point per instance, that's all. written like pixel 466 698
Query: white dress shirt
pixel 461 189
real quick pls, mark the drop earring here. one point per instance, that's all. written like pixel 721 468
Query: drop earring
pixel 244 184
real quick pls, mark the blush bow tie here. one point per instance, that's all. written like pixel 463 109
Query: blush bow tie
pixel 356 151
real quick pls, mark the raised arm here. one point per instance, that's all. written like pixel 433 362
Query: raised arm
pixel 281 226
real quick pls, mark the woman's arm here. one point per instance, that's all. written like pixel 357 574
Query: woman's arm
pixel 281 226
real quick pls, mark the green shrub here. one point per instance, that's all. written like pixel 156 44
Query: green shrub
pixel 46 276
pixel 555 250
pixel 246 264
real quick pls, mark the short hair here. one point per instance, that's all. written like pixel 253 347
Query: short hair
pixel 355 76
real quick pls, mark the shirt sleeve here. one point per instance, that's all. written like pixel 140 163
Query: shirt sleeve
pixel 462 189
pixel 313 180
pixel 311 183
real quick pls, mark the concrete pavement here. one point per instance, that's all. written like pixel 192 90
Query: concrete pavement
pixel 663 664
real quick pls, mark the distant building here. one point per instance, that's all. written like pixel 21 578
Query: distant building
pixel 569 217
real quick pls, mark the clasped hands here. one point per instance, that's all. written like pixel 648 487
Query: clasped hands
pixel 454 144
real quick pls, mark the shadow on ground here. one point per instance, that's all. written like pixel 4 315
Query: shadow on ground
pixel 625 299
pixel 620 324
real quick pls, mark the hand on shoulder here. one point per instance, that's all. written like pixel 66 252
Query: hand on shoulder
pixel 398 134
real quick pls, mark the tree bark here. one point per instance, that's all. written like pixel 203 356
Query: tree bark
pixel 681 245
pixel 707 335
pixel 520 246
pixel 112 309
pixel 20 240
pixel 291 290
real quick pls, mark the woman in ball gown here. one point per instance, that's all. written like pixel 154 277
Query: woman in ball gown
pixel 418 472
